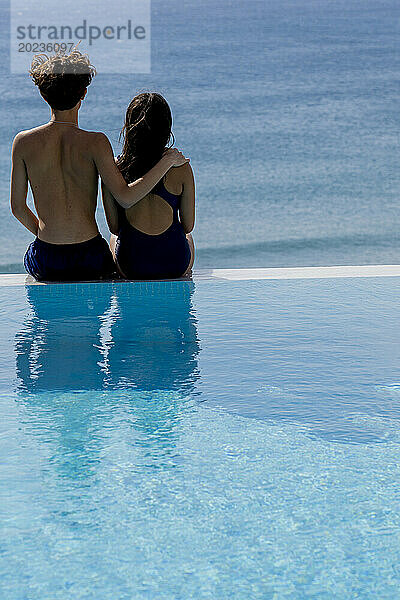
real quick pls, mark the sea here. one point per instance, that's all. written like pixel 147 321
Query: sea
pixel 289 111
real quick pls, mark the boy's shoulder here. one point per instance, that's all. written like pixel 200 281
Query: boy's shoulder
pixel 20 139
pixel 22 135
pixel 27 135
pixel 98 136
pixel 30 132
pixel 99 139
pixel 40 129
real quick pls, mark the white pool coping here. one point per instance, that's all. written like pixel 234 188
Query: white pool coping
pixel 17 280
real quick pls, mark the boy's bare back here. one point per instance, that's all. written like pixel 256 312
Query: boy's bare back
pixel 60 166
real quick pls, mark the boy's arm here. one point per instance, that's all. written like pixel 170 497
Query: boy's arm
pixel 128 195
pixel 110 209
pixel 19 189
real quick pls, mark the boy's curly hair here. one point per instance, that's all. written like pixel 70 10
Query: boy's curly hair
pixel 62 78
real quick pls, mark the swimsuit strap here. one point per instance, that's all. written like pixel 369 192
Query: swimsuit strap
pixel 172 199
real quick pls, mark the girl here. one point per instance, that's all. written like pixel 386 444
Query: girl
pixel 152 238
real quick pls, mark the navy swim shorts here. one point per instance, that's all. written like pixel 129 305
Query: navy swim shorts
pixel 86 261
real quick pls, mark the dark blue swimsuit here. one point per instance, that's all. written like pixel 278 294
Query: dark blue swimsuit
pixel 144 256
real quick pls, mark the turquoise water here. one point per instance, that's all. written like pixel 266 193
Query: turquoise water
pixel 210 440
pixel 289 112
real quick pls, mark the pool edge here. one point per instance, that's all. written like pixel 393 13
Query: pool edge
pixel 20 280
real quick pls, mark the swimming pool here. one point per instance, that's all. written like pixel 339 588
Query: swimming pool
pixel 222 438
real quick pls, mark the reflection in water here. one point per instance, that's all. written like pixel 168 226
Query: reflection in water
pixel 91 337
pixel 103 362
pixel 154 342
pixel 59 346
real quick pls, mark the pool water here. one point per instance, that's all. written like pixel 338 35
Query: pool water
pixel 208 440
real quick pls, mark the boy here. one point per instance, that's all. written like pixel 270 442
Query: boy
pixel 62 163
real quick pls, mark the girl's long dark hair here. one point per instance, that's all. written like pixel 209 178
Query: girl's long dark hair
pixel 146 134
